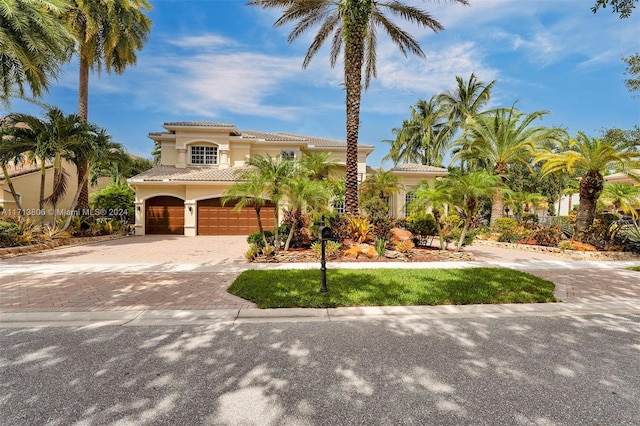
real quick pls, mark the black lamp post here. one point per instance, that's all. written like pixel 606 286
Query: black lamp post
pixel 325 234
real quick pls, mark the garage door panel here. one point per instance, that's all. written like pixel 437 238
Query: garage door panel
pixel 164 216
pixel 215 219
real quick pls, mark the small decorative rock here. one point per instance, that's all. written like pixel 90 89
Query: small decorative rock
pixel 399 234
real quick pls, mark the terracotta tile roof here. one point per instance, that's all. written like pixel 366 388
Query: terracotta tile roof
pixel 198 124
pixel 411 167
pixel 268 136
pixel 23 169
pixel 188 174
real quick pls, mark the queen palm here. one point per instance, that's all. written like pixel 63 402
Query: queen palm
pixel 12 151
pixel 303 193
pixel 34 45
pixel 588 158
pixel 465 103
pixel 437 197
pixel 95 146
pixel 424 138
pixel 500 138
pixel 352 24
pixel 466 193
pixel 274 174
pixel 248 191
pixel 109 34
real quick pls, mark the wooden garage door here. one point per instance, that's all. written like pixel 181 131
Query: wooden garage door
pixel 164 215
pixel 214 219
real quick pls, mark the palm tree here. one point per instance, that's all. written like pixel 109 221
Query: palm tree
pixel 589 158
pixel 424 138
pixel 317 165
pixel 500 138
pixel 52 138
pixel 34 45
pixel 465 103
pixel 302 193
pixel 381 183
pixel 12 151
pixel 275 173
pixel 248 191
pixel 466 192
pixel 622 197
pixel 94 147
pixel 352 24
pixel 109 33
pixel 437 197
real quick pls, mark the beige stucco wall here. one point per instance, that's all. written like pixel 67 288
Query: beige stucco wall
pixel 28 187
pixel 410 182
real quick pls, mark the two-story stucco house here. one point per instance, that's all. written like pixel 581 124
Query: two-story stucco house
pixel 199 160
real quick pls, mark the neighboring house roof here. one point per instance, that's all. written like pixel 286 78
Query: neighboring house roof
pixel 23 169
pixel 188 174
pixel 622 178
pixel 411 167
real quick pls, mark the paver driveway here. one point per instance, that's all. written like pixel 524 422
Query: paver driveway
pixel 150 272
pixel 176 272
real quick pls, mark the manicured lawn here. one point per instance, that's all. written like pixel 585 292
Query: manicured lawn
pixel 390 287
pixel 634 268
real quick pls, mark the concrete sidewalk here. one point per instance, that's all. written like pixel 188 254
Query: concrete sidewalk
pixel 239 316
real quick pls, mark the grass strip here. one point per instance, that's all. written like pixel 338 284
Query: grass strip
pixel 390 287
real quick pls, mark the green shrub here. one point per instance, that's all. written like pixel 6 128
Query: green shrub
pixel 116 199
pixel 423 225
pixel 504 225
pixel 8 233
pixel 468 237
pixel 256 238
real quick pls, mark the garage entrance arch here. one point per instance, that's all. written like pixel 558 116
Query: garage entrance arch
pixel 164 215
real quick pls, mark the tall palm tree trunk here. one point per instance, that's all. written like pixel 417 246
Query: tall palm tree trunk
pixel 83 112
pixel 591 186
pixel 12 189
pixel 354 32
pixel 497 207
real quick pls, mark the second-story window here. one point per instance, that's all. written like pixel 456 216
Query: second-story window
pixel 204 155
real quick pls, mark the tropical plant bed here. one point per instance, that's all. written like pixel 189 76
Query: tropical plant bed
pixel 567 254
pixel 424 254
pixel 634 268
pixel 390 287
pixel 6 252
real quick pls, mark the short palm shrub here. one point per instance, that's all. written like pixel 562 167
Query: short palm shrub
pixel 331 249
pixel 252 252
pixel 503 225
pixel 423 225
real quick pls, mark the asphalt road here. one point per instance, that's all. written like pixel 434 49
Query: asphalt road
pixel 578 370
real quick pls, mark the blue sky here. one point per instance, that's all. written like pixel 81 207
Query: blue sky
pixel 217 60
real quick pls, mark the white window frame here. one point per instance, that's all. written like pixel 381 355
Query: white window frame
pixel 408 197
pixel 209 155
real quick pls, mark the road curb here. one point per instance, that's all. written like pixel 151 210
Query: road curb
pixel 253 315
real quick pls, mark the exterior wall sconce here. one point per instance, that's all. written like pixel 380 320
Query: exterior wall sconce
pixel 190 209
pixel 138 208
